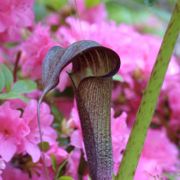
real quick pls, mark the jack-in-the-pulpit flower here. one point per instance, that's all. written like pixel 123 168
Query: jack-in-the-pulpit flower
pixel 119 133
pixel 92 69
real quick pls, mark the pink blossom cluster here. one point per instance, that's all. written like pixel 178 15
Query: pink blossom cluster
pixel 155 157
pixel 20 153
pixel 15 15
pixel 31 60
pixel 95 14
pixel 137 51
pixel 19 134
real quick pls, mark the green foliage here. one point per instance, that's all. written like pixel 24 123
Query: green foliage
pixel 24 86
pixel 91 3
pixel 2 81
pixel 132 12
pixel 53 162
pixel 148 2
pixel 12 95
pixel 44 146
pixel 119 13
pixel 172 176
pixel 19 88
pixel 42 6
pixel 65 178
pixel 55 4
pixel 40 11
pixel 117 77
pixel 149 100
pixel 59 172
pixel 6 78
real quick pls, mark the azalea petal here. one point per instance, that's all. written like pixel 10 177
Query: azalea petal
pixel 7 149
pixel 34 151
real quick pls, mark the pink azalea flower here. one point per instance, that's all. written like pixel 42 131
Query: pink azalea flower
pixel 64 106
pixel 1 59
pixel 159 148
pixel 172 88
pixel 137 51
pixel 52 19
pixel 12 130
pixel 13 173
pixel 14 15
pixel 94 14
pixel 159 154
pixel 153 49
pixel 2 167
pixel 34 50
pixel 74 121
pixel 73 163
pixel 1 56
pixel 120 134
pixel 30 144
pixel 148 169
pixel 56 151
pixel 64 80
pixel 76 138
pixel 174 124
pixel 34 94
pixel 17 104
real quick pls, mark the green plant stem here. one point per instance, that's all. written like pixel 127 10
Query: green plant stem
pixel 149 100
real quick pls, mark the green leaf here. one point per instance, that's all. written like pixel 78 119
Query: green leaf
pixel 117 77
pixel 60 169
pixel 19 88
pixel 2 80
pixel 40 11
pixel 11 95
pixel 8 77
pixel 65 178
pixel 55 4
pixel 171 176
pixel 24 86
pixel 91 3
pixel 120 13
pixel 53 162
pixel 44 146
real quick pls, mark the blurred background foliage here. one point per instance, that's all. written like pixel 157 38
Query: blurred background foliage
pixel 147 16
pixel 126 11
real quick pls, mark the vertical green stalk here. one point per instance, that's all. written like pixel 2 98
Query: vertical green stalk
pixel 149 100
